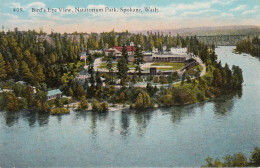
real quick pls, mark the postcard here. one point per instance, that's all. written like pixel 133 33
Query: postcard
pixel 129 83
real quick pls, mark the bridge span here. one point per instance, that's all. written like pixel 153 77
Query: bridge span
pixel 221 40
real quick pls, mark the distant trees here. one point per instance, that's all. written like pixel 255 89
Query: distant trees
pixel 151 43
pixel 237 160
pixel 226 79
pixel 249 46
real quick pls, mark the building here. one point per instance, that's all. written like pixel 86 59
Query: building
pixel 53 94
pixel 117 51
pixel 169 58
pixel 179 51
pixel 174 55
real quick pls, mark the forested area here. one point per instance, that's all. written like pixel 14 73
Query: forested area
pixel 47 62
pixel 249 46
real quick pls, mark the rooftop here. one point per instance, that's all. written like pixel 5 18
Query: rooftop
pixel 128 48
pixel 54 92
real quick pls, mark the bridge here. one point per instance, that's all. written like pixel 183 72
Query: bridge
pixel 221 40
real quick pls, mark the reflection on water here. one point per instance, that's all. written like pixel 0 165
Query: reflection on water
pixel 31 117
pixel 222 107
pixel 125 123
pixel 179 112
pixel 176 136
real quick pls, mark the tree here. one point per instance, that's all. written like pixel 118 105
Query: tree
pixel 156 79
pixel 151 42
pixel 16 51
pixel 29 95
pixel 15 68
pixel 115 41
pixel 226 77
pixel 169 41
pixel 255 157
pixel 237 160
pixel 237 77
pixel 30 58
pixel 12 102
pixel 166 100
pixel 70 92
pixel 122 70
pixel 39 76
pixel 122 66
pixel 25 72
pixel 95 105
pixel 19 90
pixel 138 60
pixel 99 82
pixel 58 102
pixel 83 104
pixel 104 107
pixel 213 57
pixel 125 54
pixel 121 98
pixel 9 69
pixel 139 101
pixel 92 74
pixel 3 74
pixel 109 62
pixel 41 95
pixel 217 78
pixel 143 101
pixel 80 91
pixel 46 107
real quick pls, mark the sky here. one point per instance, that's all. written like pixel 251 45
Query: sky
pixel 172 14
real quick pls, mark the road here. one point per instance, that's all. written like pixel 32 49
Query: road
pixel 143 85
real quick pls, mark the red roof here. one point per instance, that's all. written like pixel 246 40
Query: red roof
pixel 128 48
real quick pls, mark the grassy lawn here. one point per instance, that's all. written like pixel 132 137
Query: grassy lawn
pixel 114 65
pixel 174 65
pixel 104 66
pixel 165 68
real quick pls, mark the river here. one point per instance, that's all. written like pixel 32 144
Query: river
pixel 177 136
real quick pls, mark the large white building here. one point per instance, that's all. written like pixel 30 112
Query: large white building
pixel 179 51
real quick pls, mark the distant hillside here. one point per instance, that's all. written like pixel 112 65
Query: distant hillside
pixel 206 31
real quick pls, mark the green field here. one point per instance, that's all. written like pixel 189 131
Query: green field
pixel 104 65
pixel 174 65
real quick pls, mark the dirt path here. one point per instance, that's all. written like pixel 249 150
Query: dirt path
pixel 202 73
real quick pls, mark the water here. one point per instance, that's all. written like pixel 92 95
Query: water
pixel 178 136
